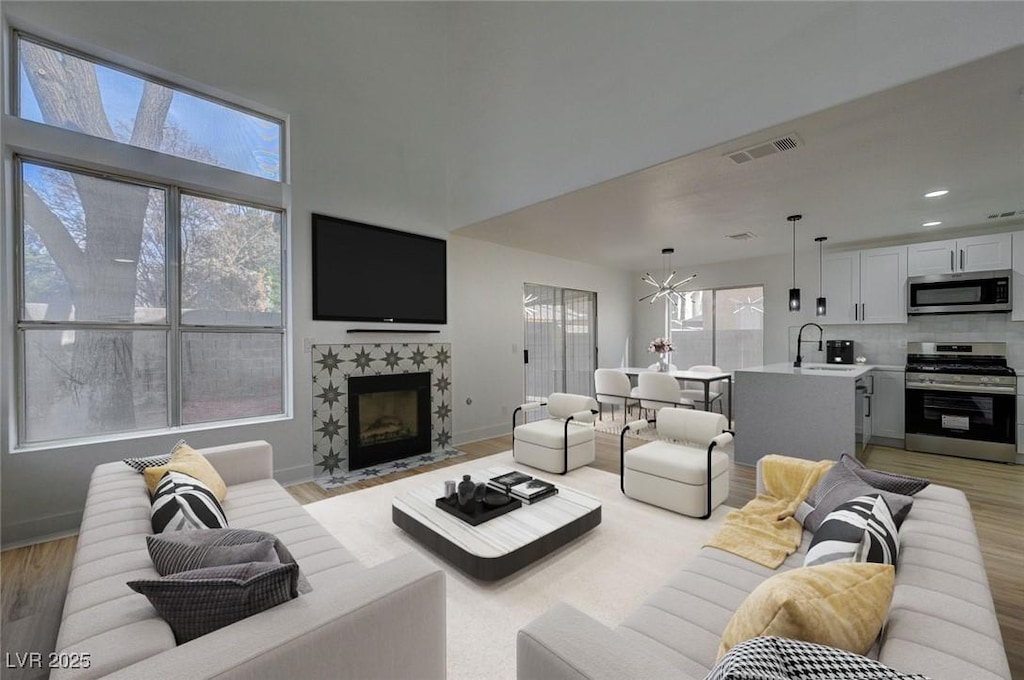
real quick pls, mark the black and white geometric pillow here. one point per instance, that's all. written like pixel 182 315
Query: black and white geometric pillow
pixel 775 658
pixel 860 530
pixel 182 502
pixel 140 464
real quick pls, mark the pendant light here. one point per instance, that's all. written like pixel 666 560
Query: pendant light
pixel 665 289
pixel 794 292
pixel 820 308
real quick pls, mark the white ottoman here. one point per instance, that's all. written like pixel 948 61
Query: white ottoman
pixel 672 473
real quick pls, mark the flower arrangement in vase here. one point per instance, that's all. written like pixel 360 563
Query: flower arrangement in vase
pixel 662 347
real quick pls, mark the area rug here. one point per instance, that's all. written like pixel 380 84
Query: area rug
pixel 606 573
pixel 337 479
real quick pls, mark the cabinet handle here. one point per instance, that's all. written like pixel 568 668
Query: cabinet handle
pixel 863 311
pixel 856 314
pixel 952 267
pixel 867 398
pixel 961 259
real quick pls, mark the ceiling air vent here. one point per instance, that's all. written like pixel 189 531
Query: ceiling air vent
pixel 995 216
pixel 742 236
pixel 762 149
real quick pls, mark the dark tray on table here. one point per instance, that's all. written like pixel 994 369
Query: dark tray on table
pixel 477 512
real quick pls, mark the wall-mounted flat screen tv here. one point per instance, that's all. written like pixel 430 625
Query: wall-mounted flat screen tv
pixel 366 273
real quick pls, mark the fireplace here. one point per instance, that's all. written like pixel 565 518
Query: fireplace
pixel 388 417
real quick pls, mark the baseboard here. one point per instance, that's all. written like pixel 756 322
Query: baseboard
pixel 296 474
pixel 41 530
pixel 886 441
pixel 481 433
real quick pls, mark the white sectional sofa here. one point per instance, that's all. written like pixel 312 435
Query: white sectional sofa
pixel 942 622
pixel 382 622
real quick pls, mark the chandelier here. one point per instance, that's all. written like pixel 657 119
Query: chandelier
pixel 666 288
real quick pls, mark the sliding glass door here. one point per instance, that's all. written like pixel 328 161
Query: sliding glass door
pixel 561 340
pixel 722 327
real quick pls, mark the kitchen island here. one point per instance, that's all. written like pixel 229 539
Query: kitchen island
pixel 814 412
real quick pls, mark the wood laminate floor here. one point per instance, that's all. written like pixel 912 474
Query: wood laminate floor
pixel 33 579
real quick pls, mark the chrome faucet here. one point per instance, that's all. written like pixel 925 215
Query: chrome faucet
pixel 799 340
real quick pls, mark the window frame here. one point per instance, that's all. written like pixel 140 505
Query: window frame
pixel 15 95
pixel 76 152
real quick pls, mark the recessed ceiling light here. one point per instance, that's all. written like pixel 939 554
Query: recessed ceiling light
pixel 936 193
pixel 931 224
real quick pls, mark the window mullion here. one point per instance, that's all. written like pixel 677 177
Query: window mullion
pixel 172 244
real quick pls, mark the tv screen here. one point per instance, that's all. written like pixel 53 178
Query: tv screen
pixel 367 273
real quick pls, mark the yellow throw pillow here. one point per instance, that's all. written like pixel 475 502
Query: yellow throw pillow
pixel 839 605
pixel 187 460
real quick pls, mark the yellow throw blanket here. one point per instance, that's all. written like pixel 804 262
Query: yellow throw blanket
pixel 764 530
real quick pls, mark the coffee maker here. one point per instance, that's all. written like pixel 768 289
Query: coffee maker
pixel 839 351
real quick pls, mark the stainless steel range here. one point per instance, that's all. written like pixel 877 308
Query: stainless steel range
pixel 961 400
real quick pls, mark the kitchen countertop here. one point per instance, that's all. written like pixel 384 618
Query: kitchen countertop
pixel 821 370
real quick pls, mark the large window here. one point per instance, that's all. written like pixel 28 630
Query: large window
pixel 723 327
pixel 142 302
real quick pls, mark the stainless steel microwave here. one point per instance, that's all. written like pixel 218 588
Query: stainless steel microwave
pixel 968 292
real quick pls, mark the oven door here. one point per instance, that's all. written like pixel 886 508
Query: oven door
pixel 960 414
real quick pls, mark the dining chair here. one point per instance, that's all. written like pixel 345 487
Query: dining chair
pixel 612 387
pixel 694 391
pixel 658 390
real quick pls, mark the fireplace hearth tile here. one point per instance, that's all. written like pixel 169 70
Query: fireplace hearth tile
pixel 333 364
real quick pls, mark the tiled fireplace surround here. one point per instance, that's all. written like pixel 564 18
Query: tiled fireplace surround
pixel 332 366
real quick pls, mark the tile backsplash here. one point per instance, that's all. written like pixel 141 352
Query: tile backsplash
pixel 887 343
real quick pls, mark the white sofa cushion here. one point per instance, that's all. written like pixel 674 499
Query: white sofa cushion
pixel 679 463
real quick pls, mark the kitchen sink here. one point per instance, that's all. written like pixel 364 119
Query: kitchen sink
pixel 842 369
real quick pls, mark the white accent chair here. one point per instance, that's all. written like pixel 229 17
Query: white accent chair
pixel 658 390
pixel 612 387
pixel 562 442
pixel 694 391
pixel 687 469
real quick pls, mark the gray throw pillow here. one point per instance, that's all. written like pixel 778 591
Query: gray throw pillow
pixel 839 485
pixel 884 481
pixel 194 603
pixel 179 551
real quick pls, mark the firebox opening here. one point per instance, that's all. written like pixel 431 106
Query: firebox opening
pixel 387 416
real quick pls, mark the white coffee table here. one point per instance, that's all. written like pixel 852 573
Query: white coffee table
pixel 505 544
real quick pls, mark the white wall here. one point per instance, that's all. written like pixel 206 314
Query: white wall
pixel 485 303
pixel 363 85
pixel 556 96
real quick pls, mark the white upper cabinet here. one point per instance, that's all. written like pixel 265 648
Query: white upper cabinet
pixel 974 254
pixel 984 253
pixel 938 257
pixel 840 284
pixel 1018 280
pixel 867 286
pixel 883 285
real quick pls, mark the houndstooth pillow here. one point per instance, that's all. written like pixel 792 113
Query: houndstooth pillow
pixel 775 658
pixel 140 464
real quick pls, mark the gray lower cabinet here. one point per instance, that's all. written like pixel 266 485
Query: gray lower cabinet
pixel 887 405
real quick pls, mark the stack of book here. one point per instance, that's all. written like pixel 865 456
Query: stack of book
pixel 522 486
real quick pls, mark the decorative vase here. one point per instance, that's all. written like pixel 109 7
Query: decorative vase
pixel 466 490
pixel 663 363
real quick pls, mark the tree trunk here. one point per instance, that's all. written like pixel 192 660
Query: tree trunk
pixel 102 274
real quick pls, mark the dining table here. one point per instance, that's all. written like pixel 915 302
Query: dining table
pixel 702 377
